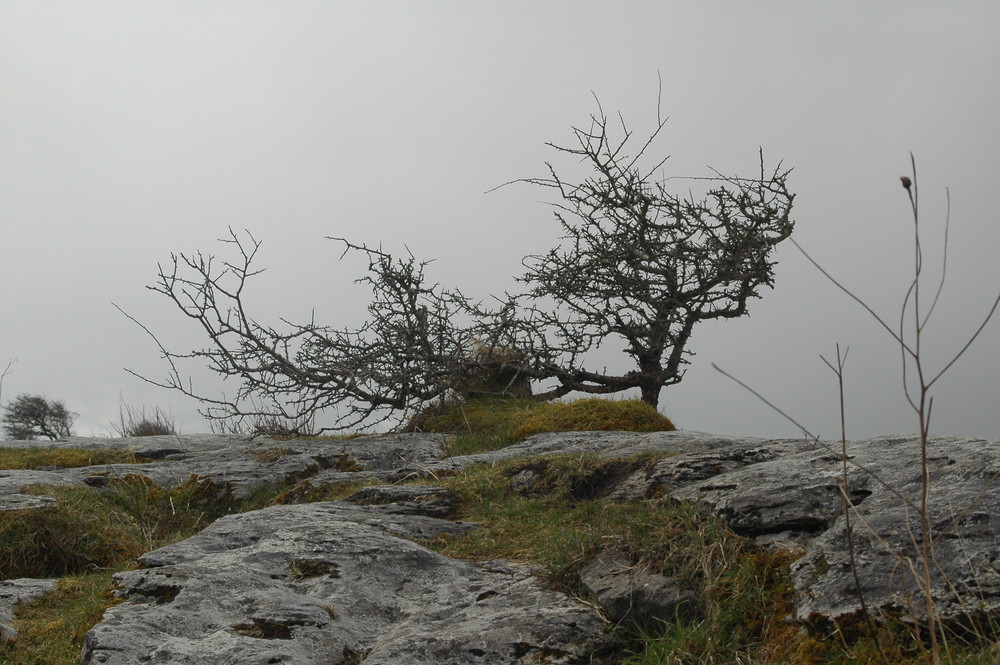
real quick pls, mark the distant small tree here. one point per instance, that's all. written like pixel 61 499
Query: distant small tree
pixel 32 416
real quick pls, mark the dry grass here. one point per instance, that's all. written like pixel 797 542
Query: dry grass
pixel 41 457
pixel 134 421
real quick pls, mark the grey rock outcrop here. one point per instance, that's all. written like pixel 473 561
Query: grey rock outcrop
pixel 787 493
pixel 407 499
pixel 316 583
pixel 965 524
pixel 14 482
pixel 241 462
pixel 336 578
pixel 333 583
pixel 790 493
pixel 628 593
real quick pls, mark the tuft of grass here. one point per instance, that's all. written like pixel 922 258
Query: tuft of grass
pixel 494 416
pixel 305 492
pixel 41 457
pixel 470 443
pixel 86 530
pixel 490 424
pixel 271 454
pixel 136 422
pixel 51 629
pixel 81 533
pixel 594 414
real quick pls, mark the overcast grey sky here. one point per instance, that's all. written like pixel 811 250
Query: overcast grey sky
pixel 132 130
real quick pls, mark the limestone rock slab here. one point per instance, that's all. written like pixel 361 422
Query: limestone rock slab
pixel 333 583
pixel 626 592
pixel 242 462
pixel 790 493
pixel 13 482
pixel 965 524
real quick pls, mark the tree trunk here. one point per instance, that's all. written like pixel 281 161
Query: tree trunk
pixel 651 394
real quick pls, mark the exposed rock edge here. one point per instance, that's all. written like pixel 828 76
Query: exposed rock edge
pixel 782 493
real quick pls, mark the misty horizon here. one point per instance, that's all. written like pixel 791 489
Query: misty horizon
pixel 129 133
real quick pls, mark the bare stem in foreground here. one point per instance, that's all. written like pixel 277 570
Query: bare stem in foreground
pixel 917 383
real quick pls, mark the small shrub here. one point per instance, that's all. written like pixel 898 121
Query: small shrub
pixel 135 422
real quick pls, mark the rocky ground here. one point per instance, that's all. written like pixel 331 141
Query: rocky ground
pixel 345 581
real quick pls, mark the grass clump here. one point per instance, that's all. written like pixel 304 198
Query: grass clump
pixel 81 532
pixel 490 424
pixel 86 530
pixel 495 416
pixel 270 454
pixel 51 629
pixel 594 414
pixel 305 491
pixel 134 421
pixel 65 458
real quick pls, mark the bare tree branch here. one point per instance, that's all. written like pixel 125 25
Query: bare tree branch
pixel 637 263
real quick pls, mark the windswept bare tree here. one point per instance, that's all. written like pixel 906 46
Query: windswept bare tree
pixel 645 265
pixel 638 262
pixel 420 343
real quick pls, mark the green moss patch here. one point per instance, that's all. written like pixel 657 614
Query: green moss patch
pixel 482 425
pixel 66 458
pixel 587 415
